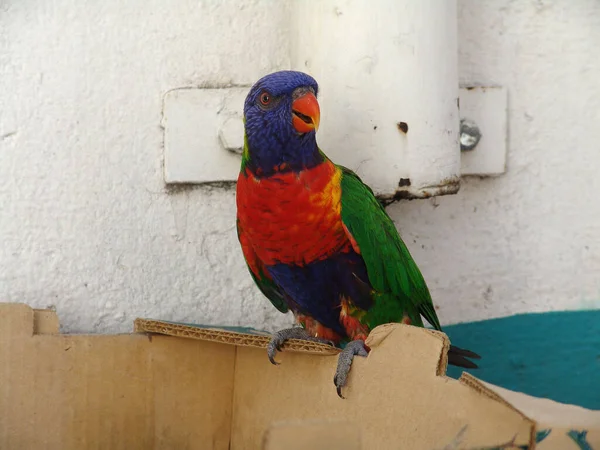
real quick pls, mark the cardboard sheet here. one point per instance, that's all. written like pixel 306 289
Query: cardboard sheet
pixel 177 386
pixel 313 435
pixel 113 392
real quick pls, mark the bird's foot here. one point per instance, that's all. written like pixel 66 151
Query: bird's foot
pixel 280 337
pixel 353 348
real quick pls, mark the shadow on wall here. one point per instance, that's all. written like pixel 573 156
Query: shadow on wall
pixel 554 355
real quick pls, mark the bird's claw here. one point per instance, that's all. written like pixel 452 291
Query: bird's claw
pixel 353 348
pixel 279 338
pixel 338 388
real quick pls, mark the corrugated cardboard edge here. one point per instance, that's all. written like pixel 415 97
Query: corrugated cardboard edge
pixel 379 333
pixel 443 362
pixel 473 383
pixel 227 337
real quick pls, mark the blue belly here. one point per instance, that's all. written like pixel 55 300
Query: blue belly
pixel 316 289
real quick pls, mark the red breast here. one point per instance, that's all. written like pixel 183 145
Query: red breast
pixel 292 218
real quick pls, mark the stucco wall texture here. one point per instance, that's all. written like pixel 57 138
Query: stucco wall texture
pixel 88 226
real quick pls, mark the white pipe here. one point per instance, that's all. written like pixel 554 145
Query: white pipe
pixel 379 63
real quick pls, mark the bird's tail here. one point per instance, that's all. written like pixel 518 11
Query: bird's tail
pixel 458 357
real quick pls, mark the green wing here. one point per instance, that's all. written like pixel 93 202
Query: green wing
pixel 397 281
pixel 261 278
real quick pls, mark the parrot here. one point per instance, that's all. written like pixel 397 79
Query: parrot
pixel 316 240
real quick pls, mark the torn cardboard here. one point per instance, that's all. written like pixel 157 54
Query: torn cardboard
pixel 176 386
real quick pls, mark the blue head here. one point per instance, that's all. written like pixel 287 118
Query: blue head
pixel 281 118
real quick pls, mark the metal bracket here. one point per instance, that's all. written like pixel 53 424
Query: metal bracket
pixel 199 125
pixel 204 133
pixel 483 130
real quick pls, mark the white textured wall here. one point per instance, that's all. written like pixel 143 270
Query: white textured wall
pixel 86 224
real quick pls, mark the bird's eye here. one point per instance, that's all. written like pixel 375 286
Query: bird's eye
pixel 265 98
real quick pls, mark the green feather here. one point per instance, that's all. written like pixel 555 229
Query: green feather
pixel 245 151
pixel 399 287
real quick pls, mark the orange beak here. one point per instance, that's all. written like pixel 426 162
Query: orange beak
pixel 306 113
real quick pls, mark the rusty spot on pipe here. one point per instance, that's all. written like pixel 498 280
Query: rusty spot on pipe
pixel 447 186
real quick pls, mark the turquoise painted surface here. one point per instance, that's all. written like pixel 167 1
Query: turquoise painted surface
pixel 554 355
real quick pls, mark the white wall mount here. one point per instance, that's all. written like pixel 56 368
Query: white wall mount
pixel 203 134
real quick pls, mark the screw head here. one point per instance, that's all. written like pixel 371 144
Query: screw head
pixel 231 135
pixel 470 135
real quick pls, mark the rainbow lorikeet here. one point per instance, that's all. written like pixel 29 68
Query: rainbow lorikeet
pixel 315 238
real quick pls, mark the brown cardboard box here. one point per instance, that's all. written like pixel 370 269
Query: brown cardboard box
pixel 215 389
